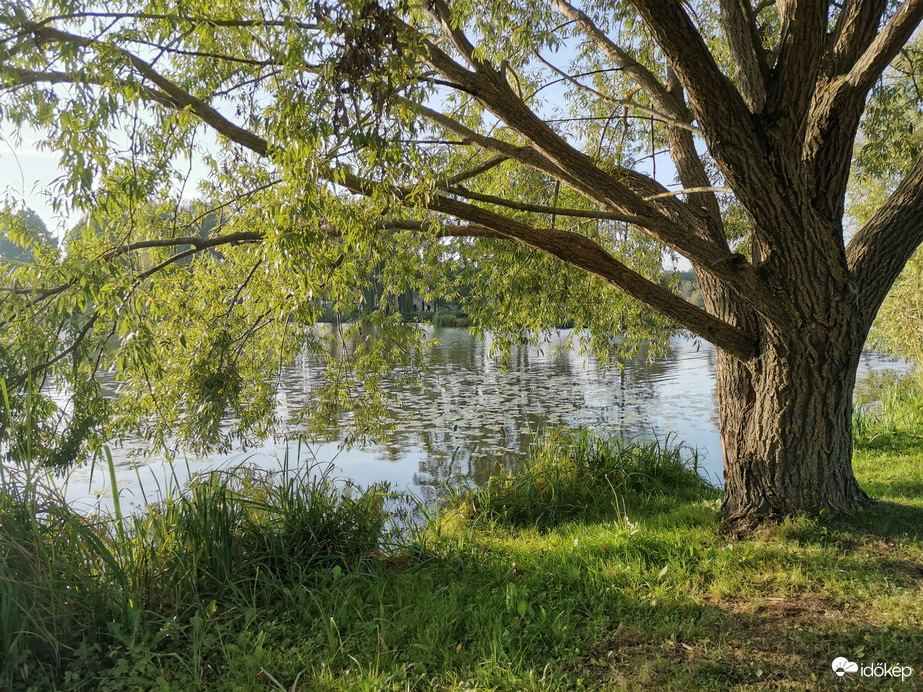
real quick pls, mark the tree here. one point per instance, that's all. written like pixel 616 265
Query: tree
pixel 518 140
pixel 20 232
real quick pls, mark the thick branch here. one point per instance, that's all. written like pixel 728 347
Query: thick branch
pixel 542 208
pixel 692 171
pixel 646 79
pixel 734 267
pixel 611 194
pixel 795 75
pixel 879 251
pixel 730 129
pixel 837 110
pixel 587 255
pixel 196 242
pixel 441 12
pixel 856 28
pixel 746 51
pixel 886 45
pixel 181 99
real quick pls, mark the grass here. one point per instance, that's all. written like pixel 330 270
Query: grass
pixel 574 472
pixel 598 566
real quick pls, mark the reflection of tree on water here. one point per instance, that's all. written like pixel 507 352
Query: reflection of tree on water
pixel 482 413
pixel 477 416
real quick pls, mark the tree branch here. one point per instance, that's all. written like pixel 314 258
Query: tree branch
pixel 646 79
pixel 795 75
pixel 690 191
pixel 886 46
pixel 856 27
pixel 746 51
pixel 440 11
pixel 211 21
pixel 624 103
pixel 461 177
pixel 197 242
pixel 613 195
pixel 81 335
pixel 838 106
pixel 541 208
pixel 732 269
pixel 692 173
pixel 729 128
pixel 587 255
pixel 879 251
pixel 181 99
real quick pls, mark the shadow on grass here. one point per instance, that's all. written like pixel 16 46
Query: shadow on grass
pixel 901 441
pixel 756 643
pixel 887 520
pixel 789 645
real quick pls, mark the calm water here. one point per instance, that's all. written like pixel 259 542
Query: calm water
pixel 476 416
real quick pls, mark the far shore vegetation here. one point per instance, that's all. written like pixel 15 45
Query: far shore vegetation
pixel 600 565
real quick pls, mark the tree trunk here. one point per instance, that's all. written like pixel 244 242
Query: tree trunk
pixel 786 425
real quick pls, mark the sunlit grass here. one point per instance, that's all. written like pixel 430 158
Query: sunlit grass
pixel 573 472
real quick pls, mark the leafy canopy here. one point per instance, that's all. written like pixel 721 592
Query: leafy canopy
pixel 341 156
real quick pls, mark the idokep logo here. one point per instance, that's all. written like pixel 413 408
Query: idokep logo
pixel 842 665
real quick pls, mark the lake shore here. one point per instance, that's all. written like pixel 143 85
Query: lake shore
pixel 627 584
pixel 472 415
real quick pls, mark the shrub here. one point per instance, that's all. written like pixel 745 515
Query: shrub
pixel 451 319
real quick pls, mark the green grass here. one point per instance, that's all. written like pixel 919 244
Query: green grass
pixel 575 472
pixel 896 412
pixel 600 565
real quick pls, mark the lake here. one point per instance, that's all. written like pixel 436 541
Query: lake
pixel 476 417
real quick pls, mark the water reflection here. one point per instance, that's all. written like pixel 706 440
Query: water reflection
pixel 478 414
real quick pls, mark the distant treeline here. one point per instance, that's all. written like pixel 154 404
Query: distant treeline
pixel 685 285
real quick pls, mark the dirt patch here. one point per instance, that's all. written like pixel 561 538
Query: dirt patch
pixel 775 613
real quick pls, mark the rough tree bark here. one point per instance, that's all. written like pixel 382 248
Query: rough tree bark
pixel 785 421
pixel 785 414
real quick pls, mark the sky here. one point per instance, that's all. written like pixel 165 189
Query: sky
pixel 26 176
